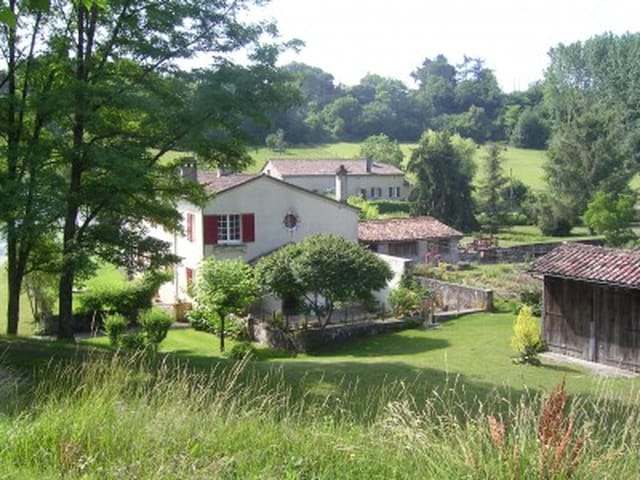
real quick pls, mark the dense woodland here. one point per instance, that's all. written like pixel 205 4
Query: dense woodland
pixel 465 99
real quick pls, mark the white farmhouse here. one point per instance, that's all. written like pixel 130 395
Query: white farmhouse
pixel 250 216
pixel 367 179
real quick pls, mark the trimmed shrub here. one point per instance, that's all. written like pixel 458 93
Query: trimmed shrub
pixel 391 206
pixel 526 340
pixel 203 321
pixel 133 341
pixel 114 326
pixel 404 302
pixel 155 324
pixel 241 350
pixel 126 299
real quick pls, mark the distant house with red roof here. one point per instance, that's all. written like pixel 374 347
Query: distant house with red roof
pixel 365 178
pixel 421 239
pixel 248 216
pixel 591 303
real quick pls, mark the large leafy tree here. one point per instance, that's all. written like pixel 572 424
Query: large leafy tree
pixel 592 95
pixel 100 84
pixel 612 217
pixel 323 269
pixel 381 148
pixel 443 170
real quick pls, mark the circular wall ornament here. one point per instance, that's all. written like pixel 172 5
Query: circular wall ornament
pixel 290 221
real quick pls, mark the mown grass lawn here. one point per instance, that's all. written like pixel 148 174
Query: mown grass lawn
pixel 472 352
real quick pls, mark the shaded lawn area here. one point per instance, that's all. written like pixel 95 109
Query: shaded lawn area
pixel 471 353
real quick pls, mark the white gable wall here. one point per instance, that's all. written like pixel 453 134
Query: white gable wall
pixel 269 201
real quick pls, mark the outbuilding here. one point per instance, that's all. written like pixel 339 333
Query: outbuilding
pixel 420 239
pixel 591 303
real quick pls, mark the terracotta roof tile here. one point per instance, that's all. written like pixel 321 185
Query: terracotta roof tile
pixel 589 263
pixel 399 229
pixel 328 166
pixel 216 184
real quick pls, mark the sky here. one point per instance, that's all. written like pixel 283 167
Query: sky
pixel 350 38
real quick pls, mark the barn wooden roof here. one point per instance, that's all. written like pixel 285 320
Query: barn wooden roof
pixel 591 264
pixel 402 229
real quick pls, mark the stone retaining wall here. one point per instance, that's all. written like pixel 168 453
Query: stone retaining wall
pixel 456 297
pixel 312 339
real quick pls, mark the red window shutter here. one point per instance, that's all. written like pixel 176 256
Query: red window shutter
pixel 190 222
pixel 210 223
pixel 189 272
pixel 248 227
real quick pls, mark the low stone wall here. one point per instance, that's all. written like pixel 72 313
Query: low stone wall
pixel 456 297
pixel 312 339
pixel 518 253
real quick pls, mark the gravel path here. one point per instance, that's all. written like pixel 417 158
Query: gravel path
pixel 595 368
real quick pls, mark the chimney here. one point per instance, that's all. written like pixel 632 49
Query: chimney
pixel 189 169
pixel 368 163
pixel 341 184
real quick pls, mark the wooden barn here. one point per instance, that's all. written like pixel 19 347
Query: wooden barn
pixel 591 303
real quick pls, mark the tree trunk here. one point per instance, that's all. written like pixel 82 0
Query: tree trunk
pixel 65 300
pixel 14 276
pixel 69 251
pixel 222 333
pixel 14 284
pixel 70 241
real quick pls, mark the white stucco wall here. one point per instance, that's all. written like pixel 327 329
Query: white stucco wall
pixel 398 266
pixel 270 200
pixel 327 183
pixel 190 251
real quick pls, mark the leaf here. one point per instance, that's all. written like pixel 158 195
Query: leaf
pixel 41 5
pixel 8 17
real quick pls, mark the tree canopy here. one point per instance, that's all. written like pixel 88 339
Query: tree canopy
pixel 224 287
pixel 323 270
pixel 95 96
pixel 443 169
pixel 380 148
pixel 591 93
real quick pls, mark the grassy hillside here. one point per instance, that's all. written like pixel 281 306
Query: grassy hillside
pixel 524 165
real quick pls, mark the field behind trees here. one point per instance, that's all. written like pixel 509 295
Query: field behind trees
pixel 523 164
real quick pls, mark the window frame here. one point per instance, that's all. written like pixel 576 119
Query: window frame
pixel 224 229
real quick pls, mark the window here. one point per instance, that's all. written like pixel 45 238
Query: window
pixel 363 193
pixel 229 230
pixel 403 249
pixel 394 192
pixel 190 227
pixel 376 192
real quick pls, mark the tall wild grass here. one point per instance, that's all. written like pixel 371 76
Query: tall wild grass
pixel 130 418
